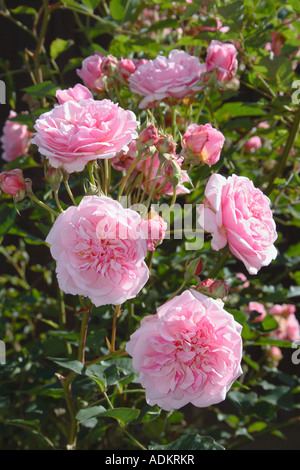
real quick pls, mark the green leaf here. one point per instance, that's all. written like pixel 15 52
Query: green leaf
pixel 269 323
pixel 23 10
pixel 42 90
pixel 125 415
pixel 58 46
pixel 117 9
pixel 7 219
pixel 88 413
pixel 92 4
pixel 190 442
pixel 237 109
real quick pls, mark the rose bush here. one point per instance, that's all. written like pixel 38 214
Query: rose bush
pixel 149 190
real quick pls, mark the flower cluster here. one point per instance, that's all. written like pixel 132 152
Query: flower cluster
pixel 190 350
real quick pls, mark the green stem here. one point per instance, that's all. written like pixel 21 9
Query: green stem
pixel 42 204
pixel 283 160
pixel 90 166
pixel 107 172
pixel 83 334
pixel 114 328
pixel 215 270
pixel 69 189
pixel 67 388
pixel 177 291
pixel 40 43
pixel 126 177
pixel 58 201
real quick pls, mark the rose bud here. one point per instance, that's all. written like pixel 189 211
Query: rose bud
pixel 166 144
pixel 202 144
pixel 13 184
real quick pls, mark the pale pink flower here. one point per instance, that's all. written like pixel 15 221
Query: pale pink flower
pixel 202 144
pixel 74 133
pixel 124 159
pixel 12 183
pixel 99 249
pixel 173 77
pixel 91 72
pixel 284 309
pixel 127 67
pixel 15 139
pixel 237 213
pixel 288 328
pixel 259 308
pixel 222 56
pixel 79 92
pixel 253 144
pixel 190 351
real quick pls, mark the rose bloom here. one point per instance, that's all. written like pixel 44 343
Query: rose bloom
pixel 190 351
pixel 12 183
pixel 175 76
pixel 91 73
pixel 99 249
pixel 74 133
pixel 202 144
pixel 288 328
pixel 78 93
pixel 224 57
pixel 259 308
pixel 284 309
pixel 237 213
pixel 254 143
pixel 15 139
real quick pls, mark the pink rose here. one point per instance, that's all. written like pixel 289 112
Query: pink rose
pixel 148 135
pixel 237 213
pixel 12 183
pixel 91 72
pixel 222 56
pixel 127 67
pixel 124 159
pixel 100 249
pixel 79 92
pixel 202 143
pixel 15 139
pixel 74 133
pixel 173 77
pixel 284 309
pixel 155 229
pixel 288 328
pixel 190 351
pixel 259 308
pixel 252 144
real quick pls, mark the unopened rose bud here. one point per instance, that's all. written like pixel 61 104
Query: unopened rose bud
pixel 13 184
pixel 166 144
pixel 193 268
pixel 148 135
pixel 218 289
pixel 109 65
pixel 127 67
pixel 54 177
